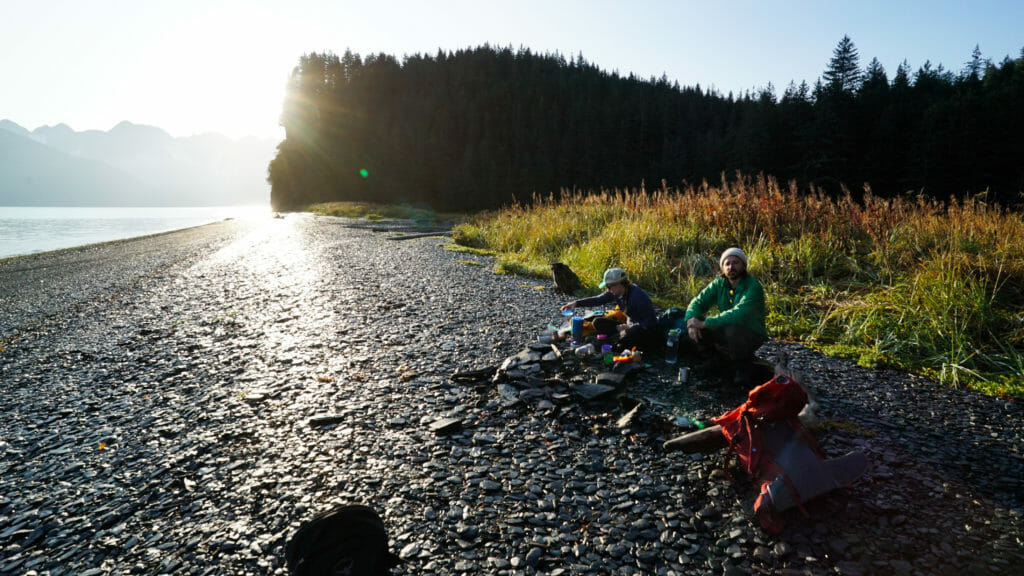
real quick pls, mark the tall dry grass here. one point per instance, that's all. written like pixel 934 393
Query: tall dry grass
pixel 929 286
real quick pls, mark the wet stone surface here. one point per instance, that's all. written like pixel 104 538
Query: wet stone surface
pixel 178 405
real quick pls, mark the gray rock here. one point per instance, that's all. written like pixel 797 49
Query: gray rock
pixel 611 379
pixel 592 391
pixel 533 557
pixel 446 426
pixel 326 420
pixel 490 486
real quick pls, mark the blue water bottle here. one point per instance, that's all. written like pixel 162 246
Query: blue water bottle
pixel 577 329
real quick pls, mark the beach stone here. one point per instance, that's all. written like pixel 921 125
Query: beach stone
pixel 783 549
pixel 326 420
pixel 446 426
pixel 160 400
pixel 592 391
pixel 611 379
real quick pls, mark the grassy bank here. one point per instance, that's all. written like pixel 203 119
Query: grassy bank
pixel 930 287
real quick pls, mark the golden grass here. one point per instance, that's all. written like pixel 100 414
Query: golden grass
pixel 929 286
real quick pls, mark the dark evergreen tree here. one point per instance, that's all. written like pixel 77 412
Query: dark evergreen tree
pixel 483 127
pixel 975 67
pixel 843 74
pixel 876 140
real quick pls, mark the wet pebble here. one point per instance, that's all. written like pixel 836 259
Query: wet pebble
pixel 185 410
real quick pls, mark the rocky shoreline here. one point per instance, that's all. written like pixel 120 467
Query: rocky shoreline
pixel 164 403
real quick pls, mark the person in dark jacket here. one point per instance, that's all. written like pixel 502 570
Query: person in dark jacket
pixel 641 326
pixel 739 326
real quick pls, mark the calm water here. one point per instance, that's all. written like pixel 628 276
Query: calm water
pixel 27 230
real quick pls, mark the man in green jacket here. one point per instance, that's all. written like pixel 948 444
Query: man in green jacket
pixel 739 324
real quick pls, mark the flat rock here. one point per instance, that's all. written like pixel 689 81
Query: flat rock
pixel 613 379
pixel 589 391
pixel 446 426
pixel 326 419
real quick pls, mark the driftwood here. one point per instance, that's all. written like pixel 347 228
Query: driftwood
pixel 410 230
pixel 707 440
pixel 711 438
pixel 421 235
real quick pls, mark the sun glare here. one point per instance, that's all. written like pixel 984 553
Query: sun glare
pixel 220 71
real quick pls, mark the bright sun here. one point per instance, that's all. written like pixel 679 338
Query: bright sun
pixel 222 71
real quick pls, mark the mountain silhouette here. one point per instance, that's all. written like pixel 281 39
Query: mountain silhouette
pixel 131 165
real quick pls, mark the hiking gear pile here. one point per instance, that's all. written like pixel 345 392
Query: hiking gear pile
pixel 781 456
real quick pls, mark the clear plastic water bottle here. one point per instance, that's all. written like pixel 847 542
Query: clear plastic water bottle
pixel 671 347
pixel 585 351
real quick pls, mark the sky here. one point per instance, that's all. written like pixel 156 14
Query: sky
pixel 197 66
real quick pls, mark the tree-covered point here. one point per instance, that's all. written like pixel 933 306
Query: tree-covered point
pixel 481 128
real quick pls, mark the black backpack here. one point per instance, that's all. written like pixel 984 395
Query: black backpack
pixel 672 319
pixel 349 540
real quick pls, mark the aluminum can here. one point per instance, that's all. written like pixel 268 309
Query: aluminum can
pixel 684 373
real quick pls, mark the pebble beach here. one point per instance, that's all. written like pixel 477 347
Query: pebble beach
pixel 180 403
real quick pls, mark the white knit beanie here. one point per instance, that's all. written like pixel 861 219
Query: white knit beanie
pixel 732 252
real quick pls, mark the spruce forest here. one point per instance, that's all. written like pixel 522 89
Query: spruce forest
pixel 487 127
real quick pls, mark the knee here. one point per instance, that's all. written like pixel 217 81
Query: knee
pixel 740 340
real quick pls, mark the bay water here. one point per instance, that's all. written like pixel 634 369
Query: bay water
pixel 32 229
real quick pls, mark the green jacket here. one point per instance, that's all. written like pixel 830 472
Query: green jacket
pixel 742 305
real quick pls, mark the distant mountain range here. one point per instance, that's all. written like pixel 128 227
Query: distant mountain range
pixel 131 165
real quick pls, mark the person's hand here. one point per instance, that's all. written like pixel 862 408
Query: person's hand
pixel 569 306
pixel 694 326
